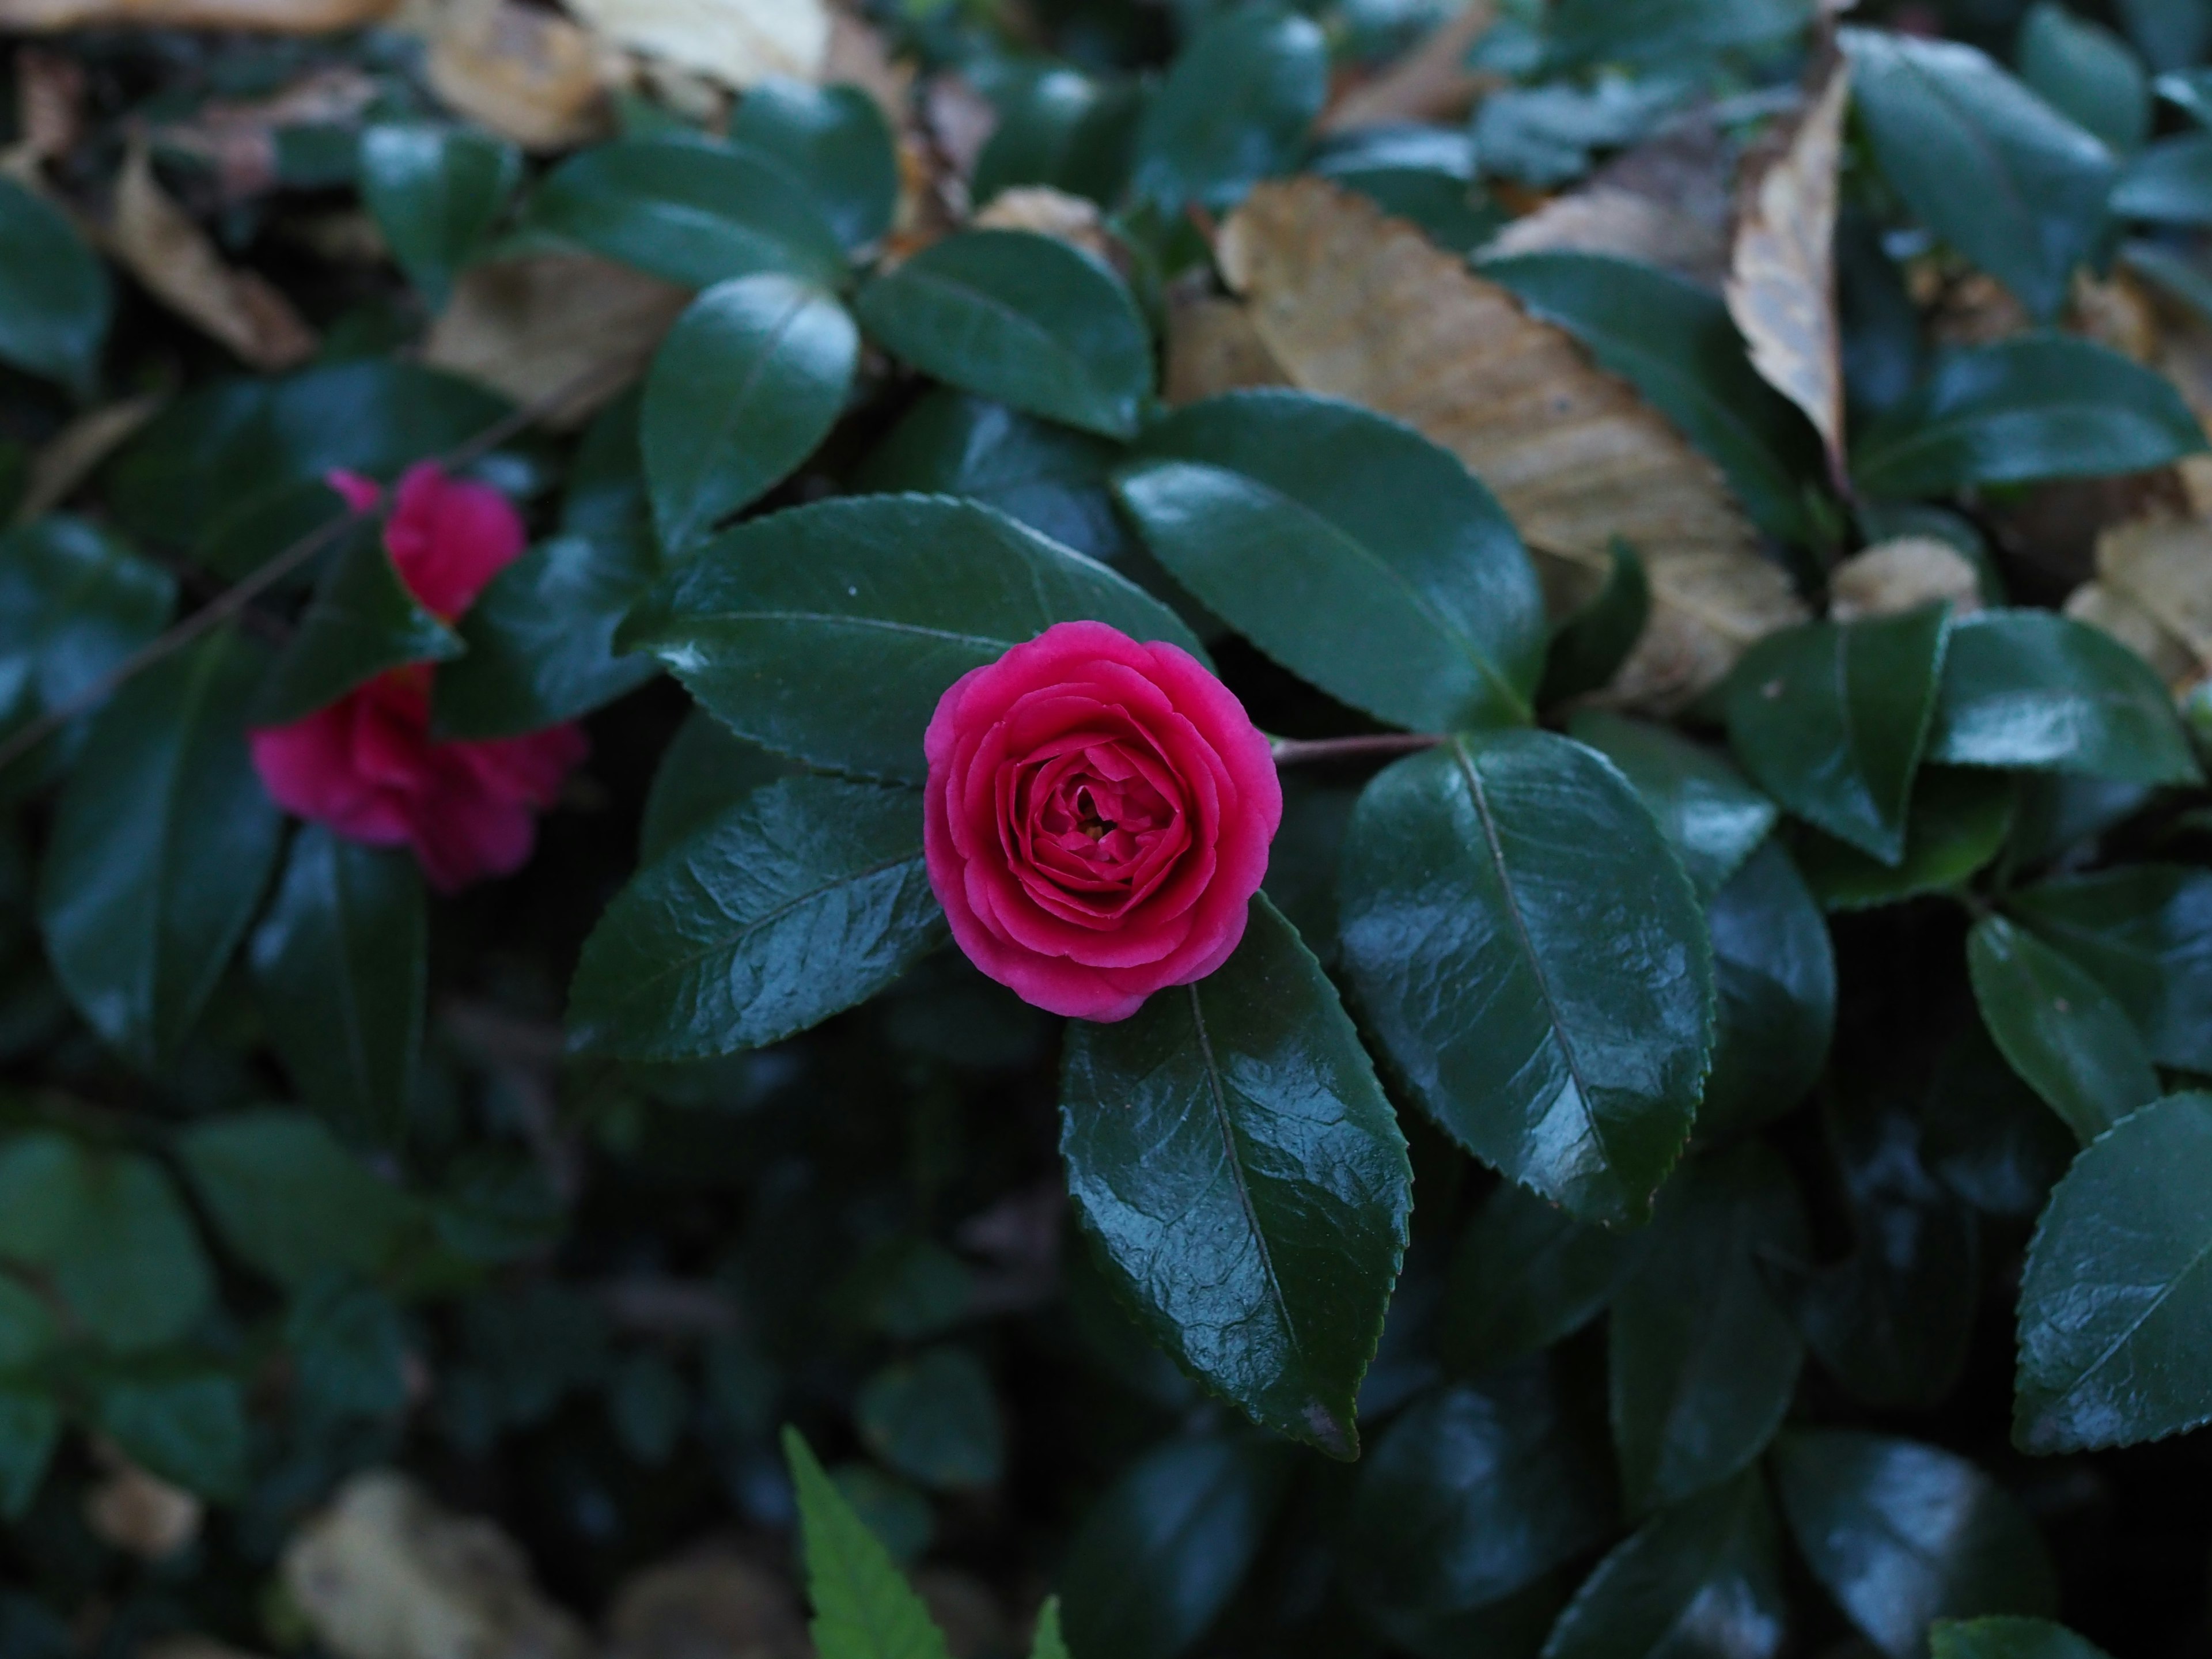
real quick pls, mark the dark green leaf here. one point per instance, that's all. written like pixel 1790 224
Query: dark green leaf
pixel 2058 1027
pixel 1474 1494
pixel 1775 971
pixel 54 293
pixel 27 1326
pixel 1544 136
pixel 1027 319
pixel 435 192
pixel 650 1406
pixel 1937 112
pixel 1302 864
pixel 1641 30
pixel 2170 183
pixel 30 1429
pixel 1902 1534
pixel 1830 718
pixel 1958 822
pixel 361 621
pixel 829 632
pixel 2116 1301
pixel 340 968
pixel 688 211
pixel 836 140
pixel 188 1428
pixel 291 1201
pixel 1526 1274
pixel 2087 73
pixel 1711 817
pixel 934 1420
pixel 1588 648
pixel 749 381
pixel 1159 1555
pixel 2008 1638
pixel 349 1351
pixel 1351 550
pixel 1673 340
pixel 1063 129
pixel 162 842
pixel 706 770
pixel 2170 35
pixel 1702 1580
pixel 42 1177
pixel 1565 1045
pixel 1702 1363
pixel 807 897
pixel 73 602
pixel 540 639
pixel 2041 406
pixel 1235 107
pixel 1234 1158
pixel 128 1262
pixel 1987 1133
pixel 2028 688
pixel 2144 933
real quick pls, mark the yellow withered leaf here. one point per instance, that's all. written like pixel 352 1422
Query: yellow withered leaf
pixel 1357 306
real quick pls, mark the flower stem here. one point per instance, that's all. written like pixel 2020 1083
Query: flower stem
pixel 1289 751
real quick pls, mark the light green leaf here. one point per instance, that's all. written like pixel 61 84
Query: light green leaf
pixel 863 1608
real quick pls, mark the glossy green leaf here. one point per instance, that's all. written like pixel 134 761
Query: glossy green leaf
pixel 289 1199
pixel 2058 1027
pixel 435 192
pixel 54 297
pixel 1712 818
pixel 128 1263
pixel 540 639
pixel 1564 1045
pixel 1890 1322
pixel 1902 1534
pixel 746 385
pixel 807 897
pixel 30 1429
pixel 1774 969
pixel 1065 130
pixel 1935 112
pixel 1526 1273
pixel 1701 1362
pixel 1543 136
pixel 1701 1580
pixel 340 971
pixel 2144 933
pixel 2007 1638
pixel 1234 1158
pixel 836 140
pixel 1027 319
pixel 2087 73
pixel 2041 406
pixel 688 211
pixel 361 621
pixel 934 1419
pixel 2116 1301
pixel 163 841
pixel 1351 550
pixel 829 632
pixel 2029 688
pixel 187 1427
pixel 1987 1133
pixel 1160 1552
pixel 1958 822
pixel 75 602
pixel 1052 478
pixel 1588 648
pixel 2169 184
pixel 1470 1495
pixel 1673 340
pixel 705 770
pixel 1830 718
pixel 1235 108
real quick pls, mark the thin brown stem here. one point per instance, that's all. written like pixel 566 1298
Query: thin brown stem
pixel 1291 751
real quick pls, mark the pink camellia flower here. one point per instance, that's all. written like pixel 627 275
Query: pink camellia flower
pixel 1096 818
pixel 366 766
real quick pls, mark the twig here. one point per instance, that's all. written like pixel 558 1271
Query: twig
pixel 232 601
pixel 1290 751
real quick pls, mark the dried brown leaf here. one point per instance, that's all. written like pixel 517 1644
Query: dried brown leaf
pixel 1608 219
pixel 2165 567
pixel 49 107
pixel 530 326
pixel 959 121
pixel 859 57
pixel 1781 286
pixel 716 1604
pixel 172 257
pixel 2116 614
pixel 262 16
pixel 1048 212
pixel 1213 348
pixel 737 42
pixel 1432 82
pixel 1356 305
pixel 383 1573
pixel 1901 575
pixel 528 74
pixel 69 458
pixel 139 1513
